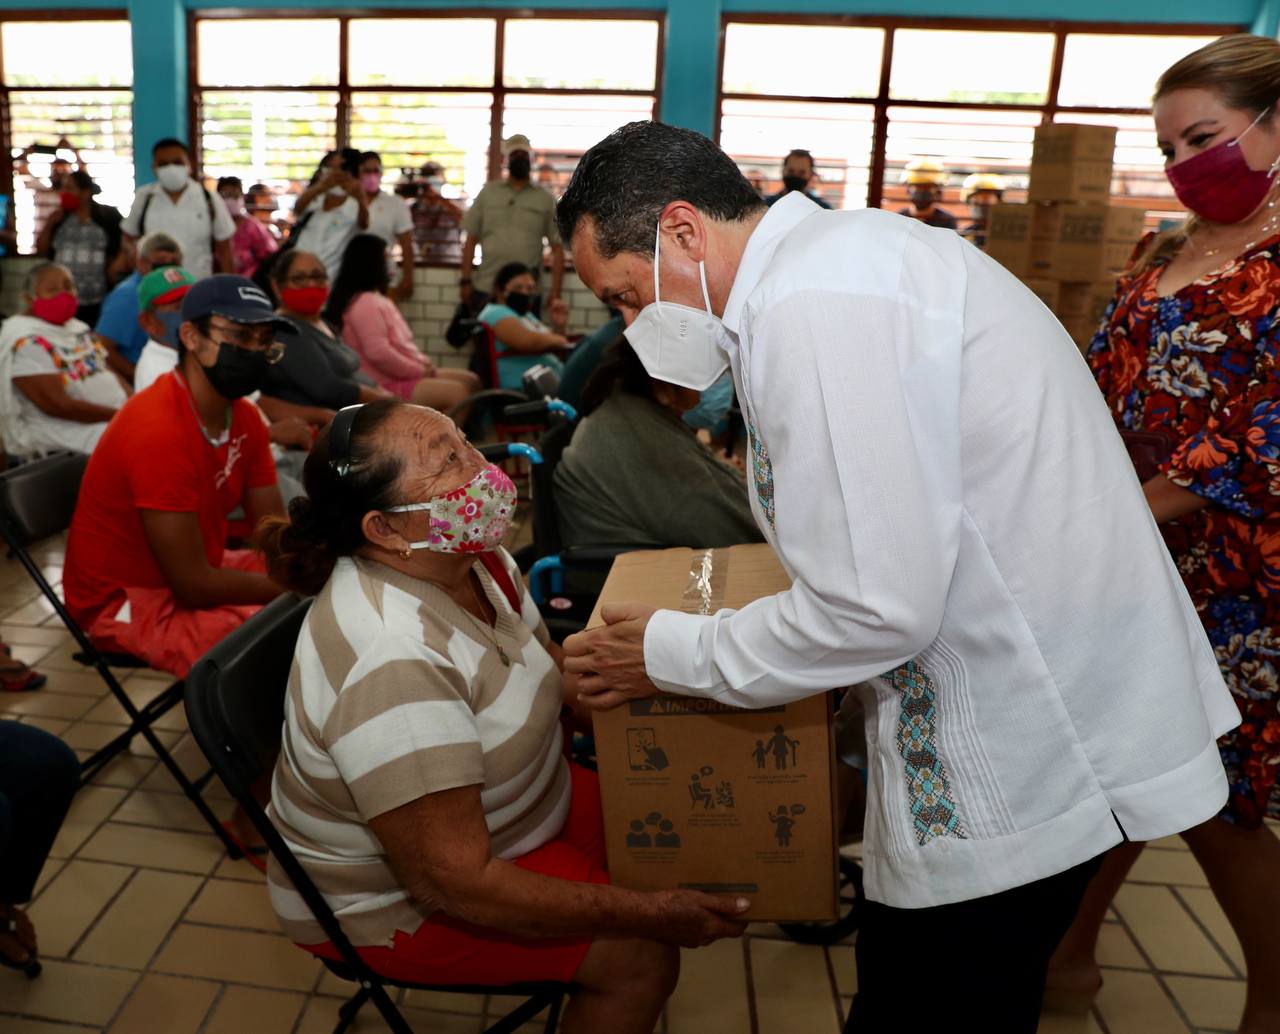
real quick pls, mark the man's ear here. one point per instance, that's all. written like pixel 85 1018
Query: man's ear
pixel 189 336
pixel 683 227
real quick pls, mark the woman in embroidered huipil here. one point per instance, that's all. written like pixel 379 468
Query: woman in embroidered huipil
pixel 1188 350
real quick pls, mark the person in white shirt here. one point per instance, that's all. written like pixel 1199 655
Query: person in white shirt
pixel 56 389
pixel 183 208
pixel 389 218
pixel 969 545
pixel 332 210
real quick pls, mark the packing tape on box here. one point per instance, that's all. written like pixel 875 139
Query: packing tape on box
pixel 705 590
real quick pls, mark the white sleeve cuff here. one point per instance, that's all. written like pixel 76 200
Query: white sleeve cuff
pixel 673 657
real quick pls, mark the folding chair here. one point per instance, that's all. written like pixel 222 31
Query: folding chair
pixel 235 706
pixel 37 500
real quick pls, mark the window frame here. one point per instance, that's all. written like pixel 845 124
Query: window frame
pixel 70 14
pixel 346 91
pixel 882 101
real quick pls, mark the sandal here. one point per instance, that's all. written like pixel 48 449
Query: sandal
pixel 31 964
pixel 255 856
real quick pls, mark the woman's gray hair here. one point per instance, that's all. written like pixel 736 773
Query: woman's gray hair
pixel 36 272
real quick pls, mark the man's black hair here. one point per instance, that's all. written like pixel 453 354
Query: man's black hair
pixel 366 156
pixel 625 181
pixel 168 141
pixel 798 152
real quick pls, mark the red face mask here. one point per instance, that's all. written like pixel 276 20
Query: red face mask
pixel 1218 184
pixel 70 202
pixel 306 301
pixel 56 310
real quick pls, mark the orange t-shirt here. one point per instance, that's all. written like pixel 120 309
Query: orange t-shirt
pixel 154 456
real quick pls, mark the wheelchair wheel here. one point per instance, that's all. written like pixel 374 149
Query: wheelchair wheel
pixel 848 899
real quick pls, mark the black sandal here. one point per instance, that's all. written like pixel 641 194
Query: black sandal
pixel 31 964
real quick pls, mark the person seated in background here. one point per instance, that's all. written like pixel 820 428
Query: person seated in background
pixel 635 473
pixel 147 570
pixel 56 389
pixel 39 777
pixel 118 328
pixel 422 779
pixel 376 331
pixel 252 241
pixel 332 210
pixel 319 373
pixel 981 192
pixel 585 357
pixel 85 237
pixel 521 340
pixel 262 205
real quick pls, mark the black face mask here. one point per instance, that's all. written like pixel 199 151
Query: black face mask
pixel 518 165
pixel 921 199
pixel 795 182
pixel 519 302
pixel 237 372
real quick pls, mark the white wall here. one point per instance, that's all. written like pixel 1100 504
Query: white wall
pixel 435 294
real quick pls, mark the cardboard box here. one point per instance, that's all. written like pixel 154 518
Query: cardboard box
pixel 1071 162
pixel 1080 308
pixel 1046 290
pixel 1018 237
pixel 702 795
pixel 1090 242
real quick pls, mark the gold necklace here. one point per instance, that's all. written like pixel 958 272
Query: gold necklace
pixel 483 626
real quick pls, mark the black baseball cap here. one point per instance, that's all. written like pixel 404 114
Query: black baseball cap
pixel 232 297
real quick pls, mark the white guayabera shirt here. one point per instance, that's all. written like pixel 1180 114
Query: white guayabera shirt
pixel 938 472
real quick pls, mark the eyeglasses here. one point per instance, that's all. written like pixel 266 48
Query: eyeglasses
pixel 250 341
pixel 319 278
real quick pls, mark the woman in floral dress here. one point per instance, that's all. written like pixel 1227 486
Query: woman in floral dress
pixel 1188 358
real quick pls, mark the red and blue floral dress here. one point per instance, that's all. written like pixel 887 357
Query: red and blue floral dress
pixel 1200 366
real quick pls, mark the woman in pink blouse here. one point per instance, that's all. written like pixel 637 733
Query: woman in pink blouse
pixel 380 335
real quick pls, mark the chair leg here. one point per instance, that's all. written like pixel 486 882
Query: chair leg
pixel 349 1009
pixel 553 1014
pixel 378 995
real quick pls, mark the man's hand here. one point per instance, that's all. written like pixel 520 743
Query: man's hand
pixel 610 659
pixel 692 919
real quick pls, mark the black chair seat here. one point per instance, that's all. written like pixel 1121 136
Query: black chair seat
pixel 113 660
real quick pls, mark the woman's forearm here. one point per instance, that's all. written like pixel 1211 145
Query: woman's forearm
pixel 76 410
pixel 505 897
pixel 1169 501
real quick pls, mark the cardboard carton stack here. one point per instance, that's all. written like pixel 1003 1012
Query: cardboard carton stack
pixel 1068 243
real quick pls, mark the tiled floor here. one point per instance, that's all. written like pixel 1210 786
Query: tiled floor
pixel 148 929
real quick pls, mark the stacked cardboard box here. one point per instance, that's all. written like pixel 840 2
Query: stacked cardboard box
pixel 1068 243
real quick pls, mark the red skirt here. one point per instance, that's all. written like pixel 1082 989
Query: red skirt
pixel 449 951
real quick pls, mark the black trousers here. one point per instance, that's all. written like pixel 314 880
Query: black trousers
pixel 39 774
pixel 984 960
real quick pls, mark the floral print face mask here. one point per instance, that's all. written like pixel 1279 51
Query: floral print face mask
pixel 472 519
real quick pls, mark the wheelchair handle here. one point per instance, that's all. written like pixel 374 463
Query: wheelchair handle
pixel 540 409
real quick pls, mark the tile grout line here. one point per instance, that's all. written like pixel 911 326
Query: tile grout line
pixel 752 1015
pixel 835 986
pixel 1186 907
pixel 1157 973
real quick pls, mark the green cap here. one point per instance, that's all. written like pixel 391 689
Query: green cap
pixel 162 286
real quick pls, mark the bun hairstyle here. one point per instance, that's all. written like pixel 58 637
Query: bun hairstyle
pixel 324 525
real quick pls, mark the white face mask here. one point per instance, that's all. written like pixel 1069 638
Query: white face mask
pixel 678 344
pixel 173 177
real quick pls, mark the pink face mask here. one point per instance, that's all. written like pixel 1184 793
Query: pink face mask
pixel 371 181
pixel 472 519
pixel 1218 184
pixel 56 310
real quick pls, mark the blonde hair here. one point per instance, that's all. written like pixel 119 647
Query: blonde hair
pixel 1244 71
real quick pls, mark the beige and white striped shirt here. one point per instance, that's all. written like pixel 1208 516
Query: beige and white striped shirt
pixel 396 692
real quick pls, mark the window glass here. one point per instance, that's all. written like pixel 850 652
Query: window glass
pixel 275 137
pixel 758 135
pixel 422 51
pixel 98 124
pixel 963 141
pixel 291 52
pixel 92 53
pixel 971 67
pixel 1118 71
pixel 595 54
pixel 410 129
pixel 561 127
pixel 802 60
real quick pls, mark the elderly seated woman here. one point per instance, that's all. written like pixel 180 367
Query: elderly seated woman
pixel 56 389
pixel 422 777
pixel 521 340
